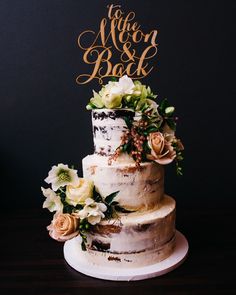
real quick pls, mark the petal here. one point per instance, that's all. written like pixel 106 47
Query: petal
pixel 83 214
pixel 89 201
pixel 102 207
pixel 94 219
pixel 164 161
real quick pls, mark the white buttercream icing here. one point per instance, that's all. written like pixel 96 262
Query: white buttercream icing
pixel 141 238
pixel 139 189
pixel 108 128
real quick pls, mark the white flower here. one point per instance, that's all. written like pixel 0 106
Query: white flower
pixel 62 175
pixel 93 211
pixel 78 194
pixel 152 105
pixel 126 85
pixel 111 95
pixel 53 201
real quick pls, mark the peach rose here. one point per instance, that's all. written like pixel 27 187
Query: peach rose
pixel 162 151
pixel 63 227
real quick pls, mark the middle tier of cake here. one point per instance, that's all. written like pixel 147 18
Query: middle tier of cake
pixel 139 188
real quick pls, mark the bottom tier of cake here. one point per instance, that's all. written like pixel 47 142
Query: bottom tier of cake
pixel 134 239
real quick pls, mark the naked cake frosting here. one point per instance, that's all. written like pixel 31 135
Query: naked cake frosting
pixel 118 212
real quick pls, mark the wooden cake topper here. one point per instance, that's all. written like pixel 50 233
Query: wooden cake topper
pixel 119 47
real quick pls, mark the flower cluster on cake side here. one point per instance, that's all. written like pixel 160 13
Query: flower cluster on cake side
pixel 76 204
pixel 150 135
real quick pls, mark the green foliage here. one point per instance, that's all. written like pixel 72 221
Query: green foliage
pixel 167 111
pixel 127 147
pixel 83 244
pixel 179 158
pixel 171 123
pixel 163 105
pixel 151 128
pixel 113 206
pixel 84 227
pixel 96 196
pixel 90 106
pixel 129 122
pixel 109 199
pixel 179 170
pixel 146 148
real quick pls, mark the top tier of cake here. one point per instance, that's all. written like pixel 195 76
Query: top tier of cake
pixel 108 128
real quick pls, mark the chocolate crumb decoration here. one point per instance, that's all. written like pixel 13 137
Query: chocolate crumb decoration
pixel 142 227
pixel 113 258
pixel 106 229
pixel 127 260
pixel 98 245
pixel 100 115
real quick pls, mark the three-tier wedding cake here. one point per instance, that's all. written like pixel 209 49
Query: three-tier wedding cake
pixel 118 212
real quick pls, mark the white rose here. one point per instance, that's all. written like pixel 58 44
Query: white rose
pixel 80 192
pixel 126 85
pixel 93 211
pixel 112 95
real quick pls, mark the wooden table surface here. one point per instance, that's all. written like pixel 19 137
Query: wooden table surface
pixel 32 263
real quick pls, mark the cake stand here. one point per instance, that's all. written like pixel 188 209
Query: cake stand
pixel 77 260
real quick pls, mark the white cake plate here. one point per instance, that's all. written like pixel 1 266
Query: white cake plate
pixel 77 260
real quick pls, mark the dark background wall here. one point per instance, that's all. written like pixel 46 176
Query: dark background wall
pixel 43 119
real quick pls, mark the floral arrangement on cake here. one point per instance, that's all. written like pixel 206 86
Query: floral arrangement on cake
pixel 76 203
pixel 150 135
